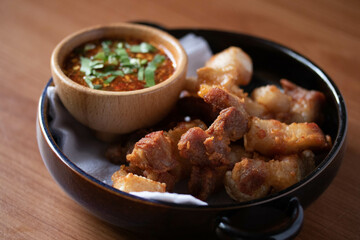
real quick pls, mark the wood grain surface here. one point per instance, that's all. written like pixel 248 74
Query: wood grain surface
pixel 32 206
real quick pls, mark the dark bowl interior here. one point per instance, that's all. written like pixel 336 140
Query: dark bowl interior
pixel 271 62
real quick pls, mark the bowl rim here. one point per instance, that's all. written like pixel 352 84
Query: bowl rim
pixel 180 64
pixel 337 143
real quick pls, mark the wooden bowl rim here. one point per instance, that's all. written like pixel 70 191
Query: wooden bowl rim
pixel 181 61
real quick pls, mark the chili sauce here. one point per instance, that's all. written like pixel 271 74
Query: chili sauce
pixel 116 65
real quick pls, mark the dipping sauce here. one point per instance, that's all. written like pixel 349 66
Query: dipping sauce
pixel 117 65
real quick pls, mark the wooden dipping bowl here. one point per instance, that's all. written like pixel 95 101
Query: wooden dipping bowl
pixel 112 112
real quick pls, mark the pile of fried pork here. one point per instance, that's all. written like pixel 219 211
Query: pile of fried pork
pixel 254 145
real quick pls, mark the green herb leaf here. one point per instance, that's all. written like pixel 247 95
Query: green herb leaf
pixel 121 52
pixel 106 47
pixel 97 86
pixel 142 48
pixel 108 68
pixel 88 81
pixel 120 45
pixel 109 79
pixel 100 55
pixel 141 73
pixel 149 76
pixel 85 65
pixel 135 62
pixel 112 59
pixel 117 73
pixel 143 62
pixel 100 74
pixel 89 46
pixel 127 70
pixel 98 65
pixel 158 59
pixel 123 56
pixel 151 68
pixel 126 63
pixel 135 48
pixel 147 47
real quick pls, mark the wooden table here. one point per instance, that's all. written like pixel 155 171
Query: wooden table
pixel 32 206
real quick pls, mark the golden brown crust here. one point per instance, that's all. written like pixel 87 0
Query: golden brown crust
pixel 255 178
pixel 129 182
pixel 271 137
pixel 231 66
pixel 278 127
pixel 154 152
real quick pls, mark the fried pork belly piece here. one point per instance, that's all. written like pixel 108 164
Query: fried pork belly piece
pixel 191 146
pixel 154 152
pixel 221 98
pixel 271 137
pixel 201 149
pixel 306 103
pixel 129 182
pixel 233 119
pixel 184 168
pixel 256 109
pixel 247 180
pixel 156 155
pixel 288 170
pixel 254 178
pixel 230 124
pixel 295 104
pixel 276 102
pixel 211 147
pixel 168 178
pixel 231 66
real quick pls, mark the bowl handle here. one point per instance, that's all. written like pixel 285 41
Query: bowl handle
pixel 224 229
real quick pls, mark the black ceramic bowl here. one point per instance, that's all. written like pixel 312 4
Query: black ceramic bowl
pixel 277 216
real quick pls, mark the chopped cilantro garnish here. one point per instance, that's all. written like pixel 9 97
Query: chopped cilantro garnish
pixel 151 68
pixel 150 76
pixel 135 62
pixel 88 81
pixel 87 65
pixel 109 79
pixel 141 73
pixel 89 46
pixel 142 48
pixel 127 70
pixel 106 47
pixel 143 61
pixel 121 52
pixel 117 73
pixel 97 86
pixel 108 68
pixel 158 59
pixel 100 55
pixel 113 60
